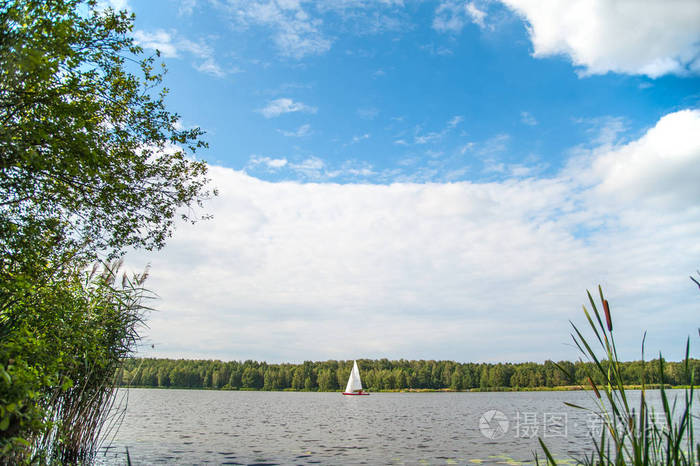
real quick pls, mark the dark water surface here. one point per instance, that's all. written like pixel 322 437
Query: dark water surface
pixel 231 427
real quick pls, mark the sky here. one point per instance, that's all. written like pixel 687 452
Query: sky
pixel 430 179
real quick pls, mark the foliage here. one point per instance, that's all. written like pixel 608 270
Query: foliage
pixel 381 374
pixel 91 162
pixel 87 146
pixel 61 359
pixel 629 435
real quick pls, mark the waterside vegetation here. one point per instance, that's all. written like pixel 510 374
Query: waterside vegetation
pixel 91 162
pixel 629 433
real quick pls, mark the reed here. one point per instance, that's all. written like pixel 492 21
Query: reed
pixel 629 433
pixel 95 327
pixel 89 411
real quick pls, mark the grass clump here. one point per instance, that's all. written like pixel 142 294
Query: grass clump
pixel 629 433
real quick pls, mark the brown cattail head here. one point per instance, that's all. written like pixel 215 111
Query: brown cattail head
pixel 595 389
pixel 608 319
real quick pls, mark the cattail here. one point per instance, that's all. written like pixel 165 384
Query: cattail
pixel 595 389
pixel 607 314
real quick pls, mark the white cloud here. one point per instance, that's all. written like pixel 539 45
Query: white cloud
pixel 528 119
pixel 603 131
pixel 368 113
pixel 302 28
pixel 453 15
pixel 476 14
pixel 296 34
pixel 186 7
pixel 159 40
pixel 270 163
pixel 429 137
pixel 312 168
pixel 171 45
pixel 440 50
pixel 448 17
pixel 466 147
pixel 357 139
pixel 209 66
pixel 364 171
pixel 456 120
pixel 493 146
pixel 434 136
pixel 466 271
pixel 284 105
pixel 117 5
pixel 661 168
pixel 651 37
pixel 302 131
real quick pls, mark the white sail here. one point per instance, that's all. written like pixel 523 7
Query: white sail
pixel 354 382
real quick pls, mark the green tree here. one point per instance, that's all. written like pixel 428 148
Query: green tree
pixel 235 380
pixel 163 378
pixel 91 162
pixel 309 384
pixel 484 381
pixel 298 378
pixel 88 151
pixel 456 379
pixel 327 380
pixel 251 378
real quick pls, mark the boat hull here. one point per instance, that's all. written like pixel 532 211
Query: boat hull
pixel 360 393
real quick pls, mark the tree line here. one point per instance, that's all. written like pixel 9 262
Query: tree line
pixel 383 374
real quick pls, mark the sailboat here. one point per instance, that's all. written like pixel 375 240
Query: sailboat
pixel 354 386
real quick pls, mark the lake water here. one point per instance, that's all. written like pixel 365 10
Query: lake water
pixel 231 427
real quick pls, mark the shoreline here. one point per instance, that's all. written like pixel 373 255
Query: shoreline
pixel 563 388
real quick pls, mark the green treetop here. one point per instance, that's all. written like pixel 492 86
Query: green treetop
pixel 89 153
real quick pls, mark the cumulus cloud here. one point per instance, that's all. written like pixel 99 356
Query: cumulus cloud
pixel 466 271
pixel 652 38
pixel 660 168
pixel 284 105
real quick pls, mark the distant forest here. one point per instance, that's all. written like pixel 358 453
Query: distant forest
pixel 383 374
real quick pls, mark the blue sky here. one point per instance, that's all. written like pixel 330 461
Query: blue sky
pixel 383 89
pixel 430 174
